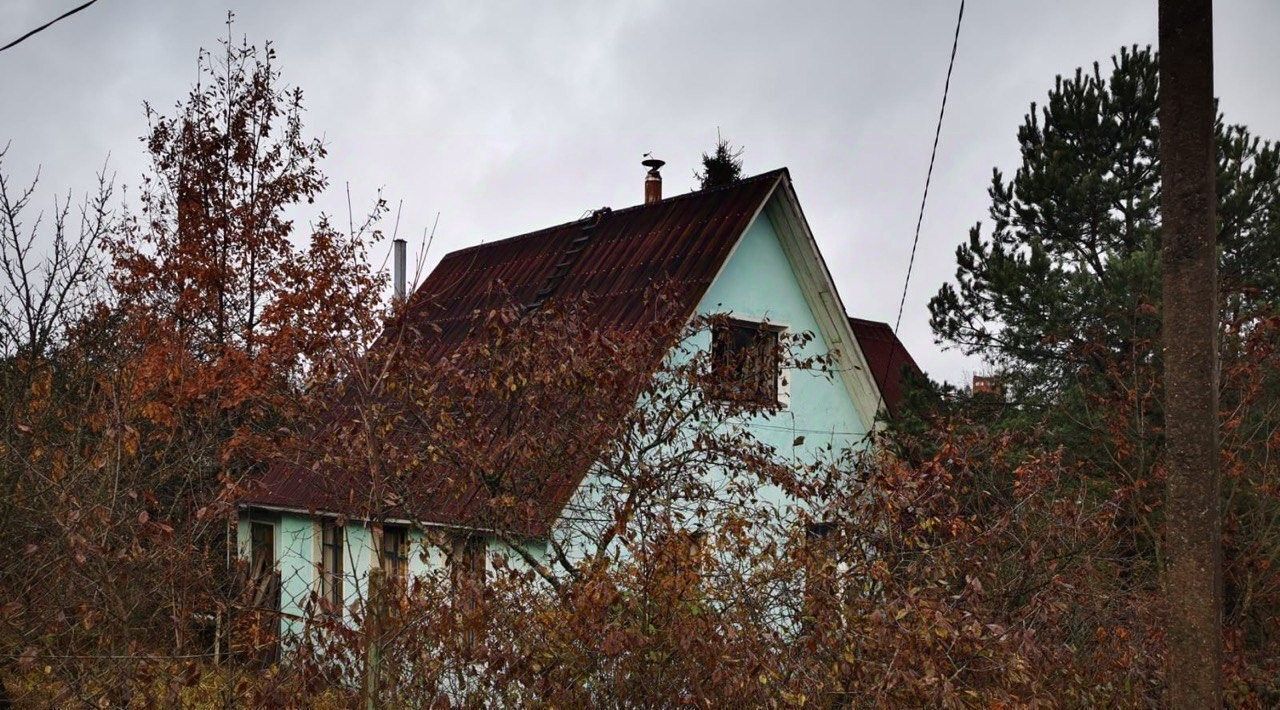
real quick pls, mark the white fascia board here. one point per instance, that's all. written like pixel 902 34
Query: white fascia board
pixel 783 209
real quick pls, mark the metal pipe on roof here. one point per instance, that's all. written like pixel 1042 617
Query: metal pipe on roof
pixel 398 269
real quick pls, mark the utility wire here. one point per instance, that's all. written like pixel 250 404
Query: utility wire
pixel 924 198
pixel 46 25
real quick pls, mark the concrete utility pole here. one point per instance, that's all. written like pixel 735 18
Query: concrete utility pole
pixel 1193 527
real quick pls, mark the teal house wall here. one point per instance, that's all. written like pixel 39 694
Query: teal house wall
pixel 296 539
pixel 758 283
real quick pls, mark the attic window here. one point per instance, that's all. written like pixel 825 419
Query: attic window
pixel 745 365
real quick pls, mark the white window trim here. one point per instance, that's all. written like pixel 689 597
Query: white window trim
pixel 781 327
pixel 276 537
pixel 317 550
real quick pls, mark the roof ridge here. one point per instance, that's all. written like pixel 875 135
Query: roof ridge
pixel 667 200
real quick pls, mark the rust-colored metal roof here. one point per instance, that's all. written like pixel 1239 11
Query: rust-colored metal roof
pixel 887 357
pixel 609 260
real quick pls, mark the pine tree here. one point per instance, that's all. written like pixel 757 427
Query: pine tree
pixel 1069 275
pixel 1062 295
pixel 721 167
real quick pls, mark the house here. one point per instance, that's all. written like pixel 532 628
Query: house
pixel 743 250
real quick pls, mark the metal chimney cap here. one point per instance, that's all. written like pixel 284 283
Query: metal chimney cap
pixel 652 163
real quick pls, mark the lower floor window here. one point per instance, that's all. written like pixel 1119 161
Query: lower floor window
pixel 394 553
pixel 262 565
pixel 331 566
pixel 468 561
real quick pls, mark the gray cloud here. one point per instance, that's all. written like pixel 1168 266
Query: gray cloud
pixel 508 116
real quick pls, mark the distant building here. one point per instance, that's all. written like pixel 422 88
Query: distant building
pixel 990 386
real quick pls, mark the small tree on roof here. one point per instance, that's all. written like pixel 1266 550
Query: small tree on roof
pixel 722 167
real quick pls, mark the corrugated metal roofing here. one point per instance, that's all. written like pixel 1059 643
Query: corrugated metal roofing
pixel 610 260
pixel 886 356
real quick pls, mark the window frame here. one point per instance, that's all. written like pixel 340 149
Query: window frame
pixel 269 539
pixel 394 563
pixel 469 568
pixel 332 566
pixel 265 582
pixel 776 396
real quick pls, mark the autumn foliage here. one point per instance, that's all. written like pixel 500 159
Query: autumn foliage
pixel 203 345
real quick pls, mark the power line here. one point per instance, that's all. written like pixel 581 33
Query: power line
pixel 793 429
pixel 46 25
pixel 924 198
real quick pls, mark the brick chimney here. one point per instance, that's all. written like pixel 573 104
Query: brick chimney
pixel 652 179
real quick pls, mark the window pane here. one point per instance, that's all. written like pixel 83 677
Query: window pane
pixel 395 553
pixel 469 569
pixel 331 563
pixel 744 361
pixel 262 541
pixel 262 555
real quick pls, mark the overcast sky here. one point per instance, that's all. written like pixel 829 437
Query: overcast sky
pixel 510 116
